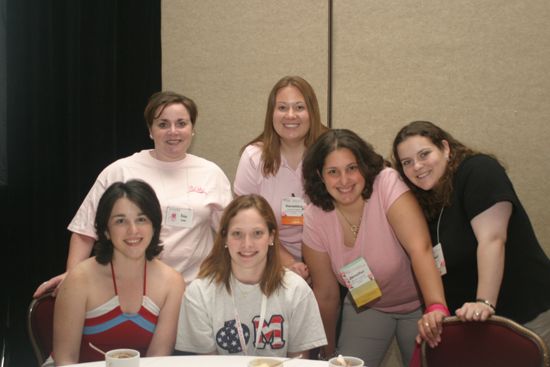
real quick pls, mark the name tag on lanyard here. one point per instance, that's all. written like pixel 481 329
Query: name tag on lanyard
pixel 292 211
pixel 437 252
pixel 360 281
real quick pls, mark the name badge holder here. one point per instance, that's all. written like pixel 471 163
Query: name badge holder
pixel 292 211
pixel 179 217
pixel 360 281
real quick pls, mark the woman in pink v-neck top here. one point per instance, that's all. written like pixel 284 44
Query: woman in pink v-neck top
pixel 362 212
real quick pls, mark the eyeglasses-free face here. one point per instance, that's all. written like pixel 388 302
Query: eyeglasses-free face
pixel 291 116
pixel 248 240
pixel 342 177
pixel 423 162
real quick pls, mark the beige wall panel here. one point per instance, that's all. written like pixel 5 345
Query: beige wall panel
pixel 227 55
pixel 479 69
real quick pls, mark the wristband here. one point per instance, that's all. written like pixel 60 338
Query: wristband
pixel 481 300
pixel 438 307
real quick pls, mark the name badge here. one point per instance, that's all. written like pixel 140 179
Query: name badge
pixel 179 217
pixel 292 211
pixel 360 281
pixel 437 252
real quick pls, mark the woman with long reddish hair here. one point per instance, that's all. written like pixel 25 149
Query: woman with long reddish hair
pixel 271 164
pixel 244 301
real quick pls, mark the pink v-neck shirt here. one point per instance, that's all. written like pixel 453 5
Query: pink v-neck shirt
pixel 376 242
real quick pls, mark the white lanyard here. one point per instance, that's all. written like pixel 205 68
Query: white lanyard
pixel 239 326
pixel 438 222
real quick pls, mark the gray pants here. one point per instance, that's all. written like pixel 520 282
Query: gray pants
pixel 368 334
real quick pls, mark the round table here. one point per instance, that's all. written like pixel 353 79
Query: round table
pixel 207 361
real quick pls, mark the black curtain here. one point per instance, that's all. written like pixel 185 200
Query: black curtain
pixel 78 77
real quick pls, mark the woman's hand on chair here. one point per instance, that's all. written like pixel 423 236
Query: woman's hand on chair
pixel 475 311
pixel 430 327
pixel 50 285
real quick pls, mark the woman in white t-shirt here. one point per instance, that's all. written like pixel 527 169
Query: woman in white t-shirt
pixel 244 301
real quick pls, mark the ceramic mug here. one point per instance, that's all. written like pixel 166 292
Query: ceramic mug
pixel 350 362
pixel 122 358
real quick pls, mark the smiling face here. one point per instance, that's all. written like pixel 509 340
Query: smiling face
pixel 248 240
pixel 172 132
pixel 129 229
pixel 423 162
pixel 290 116
pixel 342 177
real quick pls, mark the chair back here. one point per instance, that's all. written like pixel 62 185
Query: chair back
pixel 498 341
pixel 40 326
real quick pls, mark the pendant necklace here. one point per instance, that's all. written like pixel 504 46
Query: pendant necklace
pixel 353 227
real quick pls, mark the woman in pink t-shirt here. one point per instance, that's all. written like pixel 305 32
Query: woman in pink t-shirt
pixel 271 164
pixel 365 225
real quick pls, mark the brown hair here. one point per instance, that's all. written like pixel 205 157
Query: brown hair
pixel 270 141
pixel 370 164
pixel 218 264
pixel 432 200
pixel 164 99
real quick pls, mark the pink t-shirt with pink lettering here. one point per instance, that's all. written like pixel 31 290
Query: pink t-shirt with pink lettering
pixel 376 242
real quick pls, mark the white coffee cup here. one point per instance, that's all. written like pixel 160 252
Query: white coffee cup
pixel 122 358
pixel 350 362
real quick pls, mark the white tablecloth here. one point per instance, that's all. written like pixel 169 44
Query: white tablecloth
pixel 207 361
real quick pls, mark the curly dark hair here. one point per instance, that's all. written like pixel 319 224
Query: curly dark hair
pixel 370 164
pixel 142 195
pixel 433 200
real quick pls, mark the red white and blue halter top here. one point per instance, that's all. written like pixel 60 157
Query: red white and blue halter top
pixel 107 327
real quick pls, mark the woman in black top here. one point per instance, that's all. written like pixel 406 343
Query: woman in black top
pixel 494 262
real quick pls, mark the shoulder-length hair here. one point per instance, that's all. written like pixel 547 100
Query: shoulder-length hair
pixel 370 164
pixel 144 197
pixel 432 200
pixel 218 264
pixel 160 100
pixel 269 140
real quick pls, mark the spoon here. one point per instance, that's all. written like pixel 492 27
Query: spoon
pixel 95 348
pixel 342 361
pixel 286 360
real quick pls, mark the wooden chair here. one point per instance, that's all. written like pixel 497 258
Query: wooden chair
pixel 498 341
pixel 40 326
